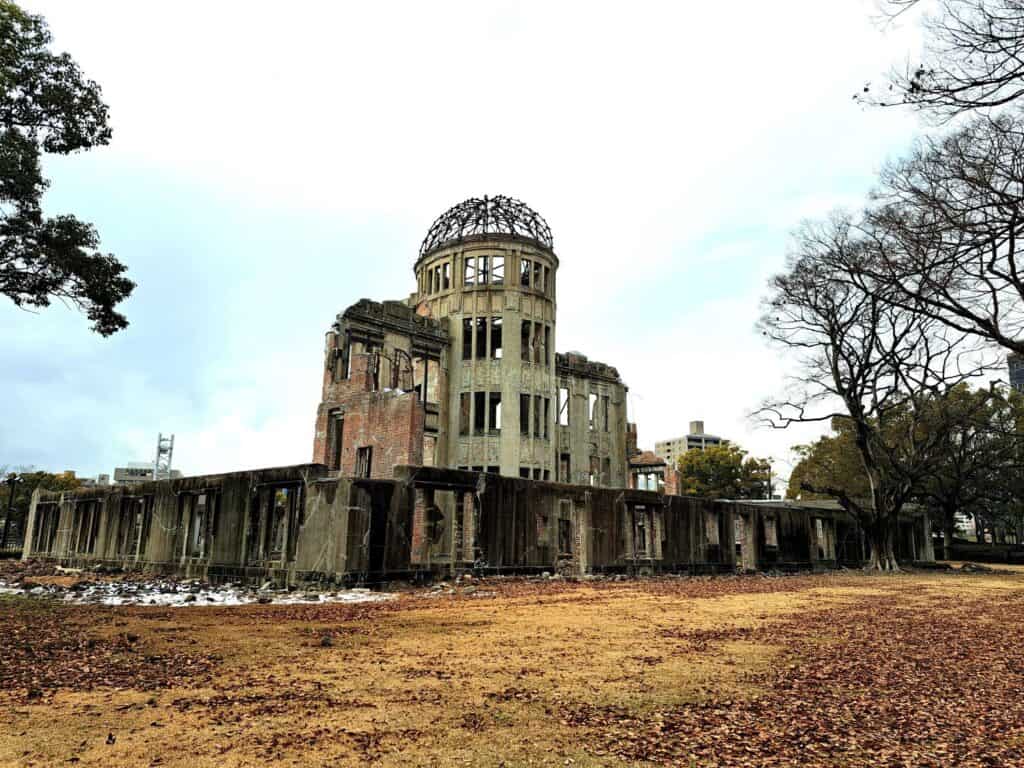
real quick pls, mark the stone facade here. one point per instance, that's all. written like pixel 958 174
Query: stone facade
pixel 463 373
pixel 304 524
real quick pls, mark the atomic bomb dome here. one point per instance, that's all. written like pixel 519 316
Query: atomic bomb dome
pixel 480 217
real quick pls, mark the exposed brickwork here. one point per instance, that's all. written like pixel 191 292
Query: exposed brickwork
pixel 672 481
pixel 468 527
pixel 424 498
pixel 391 423
pixel 631 441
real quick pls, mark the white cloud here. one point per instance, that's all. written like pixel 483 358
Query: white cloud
pixel 670 146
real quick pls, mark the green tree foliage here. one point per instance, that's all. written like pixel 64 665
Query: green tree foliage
pixel 723 472
pixel 28 480
pixel 974 468
pixel 831 462
pixel 47 105
pixel 978 472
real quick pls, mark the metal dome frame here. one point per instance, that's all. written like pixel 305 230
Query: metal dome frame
pixel 486 216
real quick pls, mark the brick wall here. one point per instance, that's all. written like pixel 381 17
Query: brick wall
pixel 672 481
pixel 391 423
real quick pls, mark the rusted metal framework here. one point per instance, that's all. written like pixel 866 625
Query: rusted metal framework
pixel 486 216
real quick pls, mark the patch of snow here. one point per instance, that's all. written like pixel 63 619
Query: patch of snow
pixel 186 594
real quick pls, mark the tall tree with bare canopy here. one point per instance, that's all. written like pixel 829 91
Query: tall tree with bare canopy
pixel 47 105
pixel 860 357
pixel 973 58
pixel 948 220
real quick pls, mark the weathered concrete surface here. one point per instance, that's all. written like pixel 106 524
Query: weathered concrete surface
pixel 301 524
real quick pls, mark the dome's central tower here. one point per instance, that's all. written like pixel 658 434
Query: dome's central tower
pixel 487 265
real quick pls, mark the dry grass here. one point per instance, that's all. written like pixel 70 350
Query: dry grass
pixel 454 680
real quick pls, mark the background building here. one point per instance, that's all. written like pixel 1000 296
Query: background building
pixel 1015 364
pixel 671 450
pixel 463 373
pixel 137 472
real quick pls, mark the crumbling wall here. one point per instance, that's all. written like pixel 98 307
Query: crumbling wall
pixel 300 524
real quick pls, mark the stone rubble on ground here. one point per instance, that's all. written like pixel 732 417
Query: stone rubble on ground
pixel 178 594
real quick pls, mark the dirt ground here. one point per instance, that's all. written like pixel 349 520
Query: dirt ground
pixel 920 669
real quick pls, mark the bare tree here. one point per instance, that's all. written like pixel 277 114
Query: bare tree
pixel 862 357
pixel 973 58
pixel 945 225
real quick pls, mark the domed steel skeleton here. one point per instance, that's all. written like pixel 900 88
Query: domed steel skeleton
pixel 486 216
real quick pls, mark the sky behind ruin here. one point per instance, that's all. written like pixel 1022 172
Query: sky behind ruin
pixel 274 162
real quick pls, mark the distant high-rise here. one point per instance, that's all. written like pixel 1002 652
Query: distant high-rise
pixel 1015 363
pixel 139 472
pixel 671 450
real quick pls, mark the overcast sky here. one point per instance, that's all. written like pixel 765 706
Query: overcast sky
pixel 274 162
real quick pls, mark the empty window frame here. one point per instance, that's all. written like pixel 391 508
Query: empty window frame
pixel 606 472
pixel 435 525
pixel 335 439
pixel 524 273
pixel 771 532
pixel 364 461
pixel 494 412
pixel 564 532
pixel 711 528
pixel 537 415
pixel 604 412
pixel 464 409
pixel 467 338
pixel 595 470
pixel 524 472
pixel 640 534
pixel 538 344
pixel 563 406
pixel 563 468
pixel 479 412
pixel 496 338
pixel 85 527
pixel 525 340
pixel 446 278
pixel 483 270
pixel 283 498
pixel 497 270
pixel 374 364
pixel 195 516
pixel 538 276
pixel 481 338
pixel 469 272
pixel 546 355
pixel 44 532
pixel 524 415
pixel 547 416
pixel 593 410
pixel 147 523
pixel 129 520
pixel 346 358
pixel 819 537
pixel 274 523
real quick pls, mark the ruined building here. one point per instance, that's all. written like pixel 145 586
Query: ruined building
pixel 451 437
pixel 463 373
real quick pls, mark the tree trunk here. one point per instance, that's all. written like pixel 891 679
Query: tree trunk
pixel 948 528
pixel 947 540
pixel 881 537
